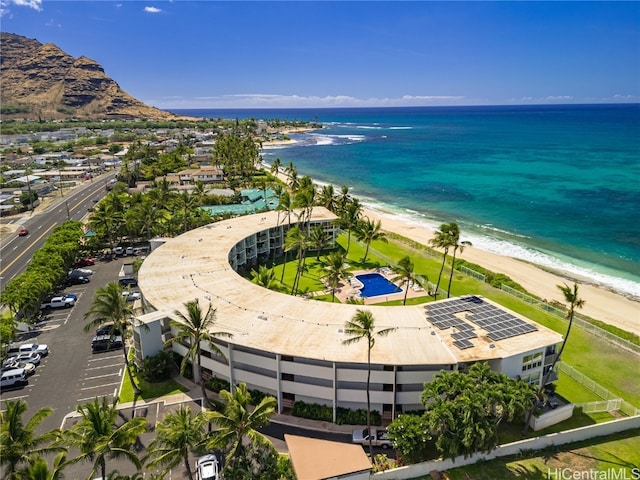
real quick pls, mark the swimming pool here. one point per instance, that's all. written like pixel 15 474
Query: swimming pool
pixel 375 284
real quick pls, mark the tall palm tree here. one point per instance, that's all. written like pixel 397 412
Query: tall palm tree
pixel 327 198
pixel 318 239
pixel 335 269
pixel 457 245
pixel 186 202
pixel 110 306
pixel 574 301
pixel 405 275
pixel 193 329
pixel 98 438
pixel 296 240
pixel 238 421
pixel 344 198
pixel 362 326
pixel 441 239
pixel 367 231
pixel 349 218
pixel 19 443
pixel 275 166
pixel 179 434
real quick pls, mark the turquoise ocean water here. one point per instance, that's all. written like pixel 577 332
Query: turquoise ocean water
pixel 555 185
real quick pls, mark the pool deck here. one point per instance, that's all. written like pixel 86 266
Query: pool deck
pixel 347 290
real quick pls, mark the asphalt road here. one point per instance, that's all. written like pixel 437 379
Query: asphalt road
pixel 16 252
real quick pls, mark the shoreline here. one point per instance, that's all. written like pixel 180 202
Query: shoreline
pixel 600 303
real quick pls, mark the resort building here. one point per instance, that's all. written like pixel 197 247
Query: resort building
pixel 292 347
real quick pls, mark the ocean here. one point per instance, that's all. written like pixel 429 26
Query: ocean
pixel 555 185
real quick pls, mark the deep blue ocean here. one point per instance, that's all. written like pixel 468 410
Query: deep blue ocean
pixel 554 185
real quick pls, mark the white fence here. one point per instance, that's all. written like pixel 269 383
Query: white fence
pixel 532 444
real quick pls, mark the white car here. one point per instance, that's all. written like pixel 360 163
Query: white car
pixel 29 368
pixel 39 348
pixel 208 468
pixel 131 296
pixel 30 357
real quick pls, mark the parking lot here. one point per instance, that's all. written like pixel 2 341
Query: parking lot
pixel 71 374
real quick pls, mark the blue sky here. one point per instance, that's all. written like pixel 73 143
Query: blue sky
pixel 209 54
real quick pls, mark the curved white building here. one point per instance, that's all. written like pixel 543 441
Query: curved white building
pixel 291 347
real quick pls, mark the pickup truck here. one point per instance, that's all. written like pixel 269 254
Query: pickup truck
pixel 58 302
pixel 379 437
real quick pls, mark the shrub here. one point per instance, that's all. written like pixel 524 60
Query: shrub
pixel 157 368
pixel 216 384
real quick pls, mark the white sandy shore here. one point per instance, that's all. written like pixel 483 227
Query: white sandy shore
pixel 600 304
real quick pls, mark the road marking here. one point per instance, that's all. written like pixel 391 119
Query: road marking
pixel 80 400
pixel 100 386
pixel 102 358
pixel 24 251
pixel 105 366
pixel 100 376
pixel 13 398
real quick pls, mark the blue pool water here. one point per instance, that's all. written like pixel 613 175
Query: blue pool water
pixel 375 284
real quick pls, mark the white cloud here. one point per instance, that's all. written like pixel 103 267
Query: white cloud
pixel 268 100
pixel 152 10
pixel 6 4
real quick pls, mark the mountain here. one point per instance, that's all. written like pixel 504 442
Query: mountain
pixel 42 82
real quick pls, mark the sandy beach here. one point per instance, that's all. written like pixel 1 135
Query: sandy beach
pixel 600 304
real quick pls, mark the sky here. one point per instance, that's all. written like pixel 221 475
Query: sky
pixel 314 54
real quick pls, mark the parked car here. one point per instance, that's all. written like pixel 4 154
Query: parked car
pixel 39 348
pixel 106 342
pixel 58 302
pixel 128 282
pixel 379 437
pixel 107 329
pixel 118 251
pixel 208 467
pixel 85 262
pixel 77 280
pixel 129 251
pixel 131 296
pixel 30 357
pixel 80 272
pixel 23 232
pixel 13 378
pixel 29 368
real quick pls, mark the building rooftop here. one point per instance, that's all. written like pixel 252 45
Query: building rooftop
pixel 195 265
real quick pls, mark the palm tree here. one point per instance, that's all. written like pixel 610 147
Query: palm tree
pixel 362 326
pixel 296 240
pixel 336 270
pixel 238 421
pixel 186 202
pixel 571 297
pixel 344 198
pixel 327 198
pixel 318 239
pixel 457 245
pixel 39 469
pixel 194 328
pixel 441 239
pixel 97 437
pixel 405 275
pixel 110 306
pixel 265 277
pixel 275 166
pixel 349 218
pixel 178 434
pixel 367 231
pixel 19 443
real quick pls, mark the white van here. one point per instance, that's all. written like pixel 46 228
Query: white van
pixel 13 378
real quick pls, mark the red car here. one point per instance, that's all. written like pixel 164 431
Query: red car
pixel 23 232
pixel 85 262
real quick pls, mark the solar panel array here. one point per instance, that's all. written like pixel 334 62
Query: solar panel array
pixel 498 323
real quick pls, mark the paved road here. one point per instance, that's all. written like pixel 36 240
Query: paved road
pixel 16 252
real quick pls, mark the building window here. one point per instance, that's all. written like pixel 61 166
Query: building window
pixel 532 361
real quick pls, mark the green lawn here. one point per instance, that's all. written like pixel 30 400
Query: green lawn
pixel 149 390
pixel 616 456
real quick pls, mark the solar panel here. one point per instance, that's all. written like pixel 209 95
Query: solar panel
pixel 463 344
